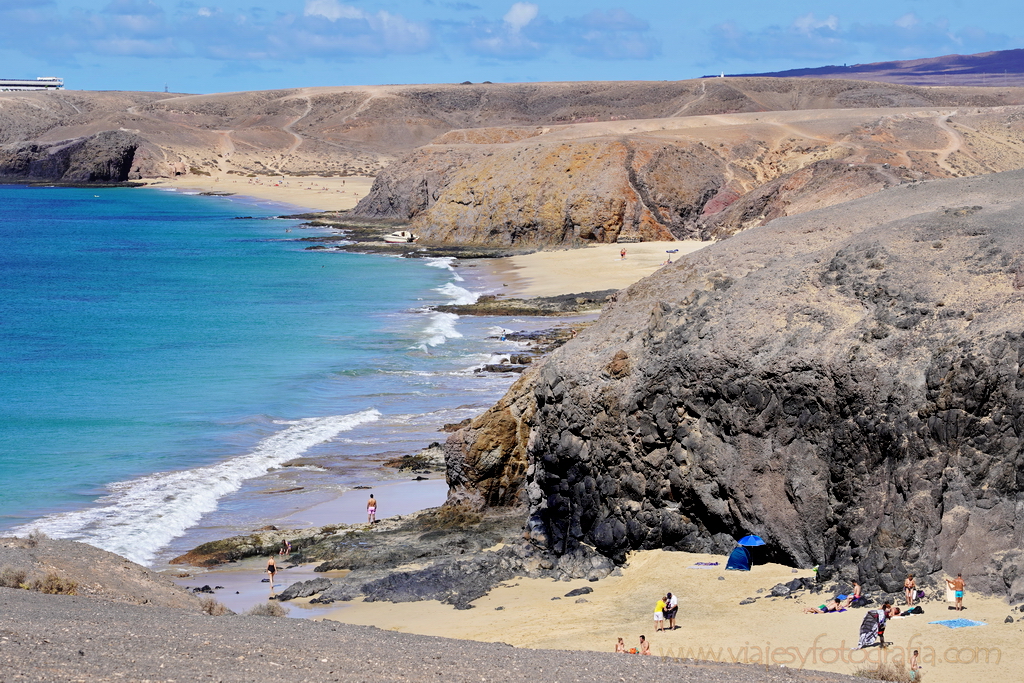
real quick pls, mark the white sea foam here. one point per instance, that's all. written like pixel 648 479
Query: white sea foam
pixel 440 262
pixel 440 329
pixel 141 516
pixel 458 295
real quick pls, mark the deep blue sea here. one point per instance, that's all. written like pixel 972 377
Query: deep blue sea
pixel 161 358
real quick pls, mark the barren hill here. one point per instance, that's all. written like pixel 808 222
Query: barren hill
pixel 539 164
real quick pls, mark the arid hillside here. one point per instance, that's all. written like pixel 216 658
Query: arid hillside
pixel 699 175
pixel 537 165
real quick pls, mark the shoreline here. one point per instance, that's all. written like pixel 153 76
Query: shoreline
pixel 305 193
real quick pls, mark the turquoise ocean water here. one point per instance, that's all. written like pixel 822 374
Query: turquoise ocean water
pixel 161 358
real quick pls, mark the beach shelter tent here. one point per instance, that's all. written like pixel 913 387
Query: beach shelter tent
pixel 739 559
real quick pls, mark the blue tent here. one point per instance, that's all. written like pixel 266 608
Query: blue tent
pixel 739 559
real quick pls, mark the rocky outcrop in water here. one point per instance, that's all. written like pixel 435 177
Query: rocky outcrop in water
pixel 845 383
pixel 102 158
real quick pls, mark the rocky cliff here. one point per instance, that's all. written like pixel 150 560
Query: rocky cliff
pixel 102 158
pixel 688 177
pixel 846 383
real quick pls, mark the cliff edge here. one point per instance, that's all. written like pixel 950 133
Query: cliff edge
pixel 845 383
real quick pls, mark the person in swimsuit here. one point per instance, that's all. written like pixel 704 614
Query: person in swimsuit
pixel 957 585
pixel 909 589
pixel 645 647
pixel 371 510
pixel 620 646
pixel 271 570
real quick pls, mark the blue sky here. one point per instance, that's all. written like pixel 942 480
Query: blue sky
pixel 204 46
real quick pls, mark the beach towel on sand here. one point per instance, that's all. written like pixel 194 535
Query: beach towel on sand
pixel 958 623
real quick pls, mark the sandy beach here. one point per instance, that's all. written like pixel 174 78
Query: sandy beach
pixel 590 269
pixel 712 624
pixel 310 192
pixel 534 613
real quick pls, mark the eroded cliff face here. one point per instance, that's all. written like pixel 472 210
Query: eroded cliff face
pixel 102 158
pixel 697 177
pixel 538 195
pixel 846 383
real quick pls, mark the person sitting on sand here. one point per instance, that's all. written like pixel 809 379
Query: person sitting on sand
pixel 856 598
pixel 830 606
pixel 371 510
pixel 645 647
pixel 659 615
pixel 620 646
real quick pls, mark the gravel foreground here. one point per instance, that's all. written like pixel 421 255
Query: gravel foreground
pixel 71 638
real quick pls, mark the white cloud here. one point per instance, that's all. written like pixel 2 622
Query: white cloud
pixel 809 23
pixel 333 10
pixel 519 15
pixel 907 21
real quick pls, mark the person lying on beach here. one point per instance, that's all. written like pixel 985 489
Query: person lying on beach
pixel 830 606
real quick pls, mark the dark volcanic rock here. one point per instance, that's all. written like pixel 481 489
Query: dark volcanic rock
pixel 846 384
pixel 103 158
pixel 304 589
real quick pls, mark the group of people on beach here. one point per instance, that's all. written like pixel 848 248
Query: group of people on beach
pixel 665 611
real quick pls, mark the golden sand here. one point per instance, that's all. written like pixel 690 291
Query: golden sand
pixel 309 192
pixel 713 625
pixel 591 269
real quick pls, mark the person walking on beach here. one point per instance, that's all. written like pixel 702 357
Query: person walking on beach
pixel 271 570
pixel 909 589
pixel 671 607
pixel 957 585
pixel 371 510
pixel 622 254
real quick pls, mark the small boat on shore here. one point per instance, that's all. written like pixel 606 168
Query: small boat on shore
pixel 400 237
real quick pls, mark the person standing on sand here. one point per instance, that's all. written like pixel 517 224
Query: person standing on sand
pixel 914 666
pixel 671 608
pixel 645 647
pixel 909 589
pixel 659 615
pixel 271 570
pixel 620 646
pixel 957 585
pixel 622 254
pixel 371 510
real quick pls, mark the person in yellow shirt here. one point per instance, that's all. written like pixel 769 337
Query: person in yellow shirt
pixel 659 615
